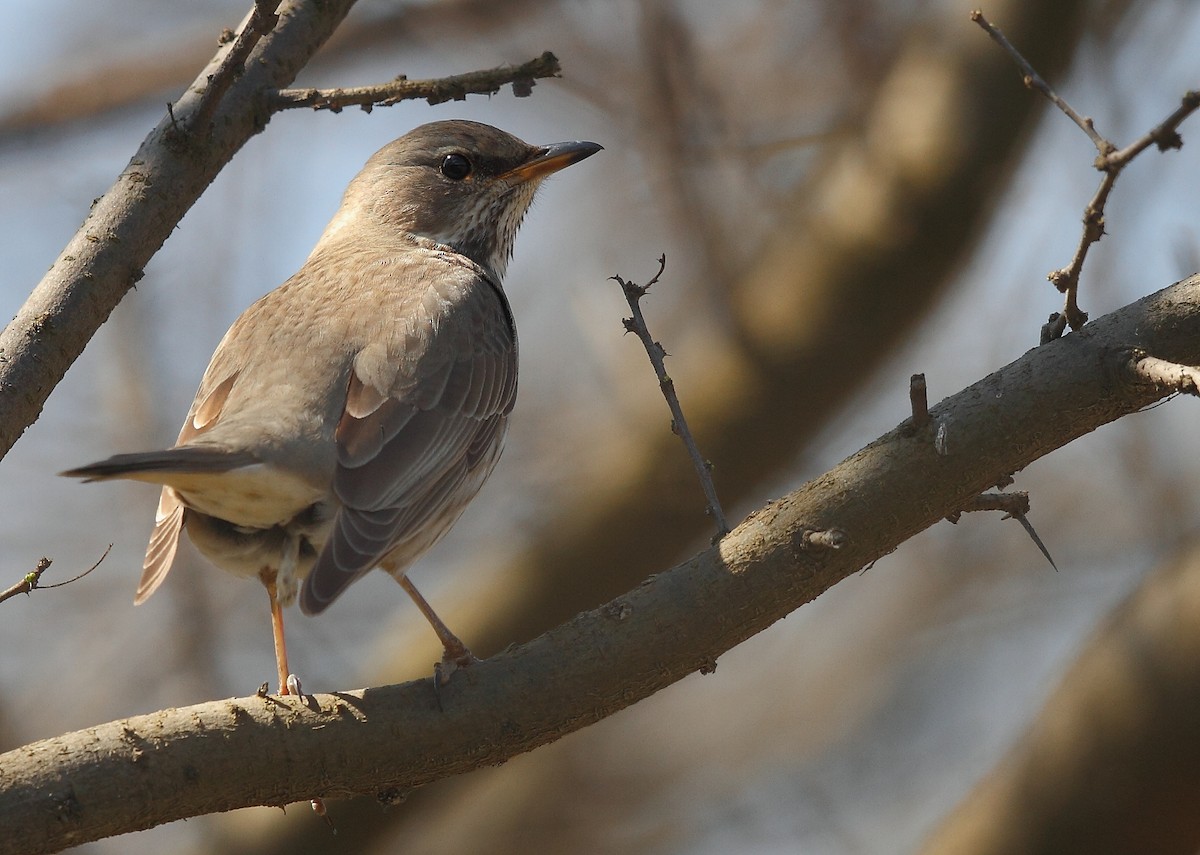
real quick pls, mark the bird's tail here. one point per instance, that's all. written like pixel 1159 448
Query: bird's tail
pixel 157 467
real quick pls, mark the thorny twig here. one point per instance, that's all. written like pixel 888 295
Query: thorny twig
pixel 637 325
pixel 453 88
pixel 1110 160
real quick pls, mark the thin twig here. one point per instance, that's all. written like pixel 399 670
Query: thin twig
pixel 261 21
pixel 1034 81
pixel 1110 160
pixel 637 325
pixel 107 550
pixel 33 578
pixel 1165 136
pixel 454 88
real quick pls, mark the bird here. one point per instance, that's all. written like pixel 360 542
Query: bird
pixel 348 417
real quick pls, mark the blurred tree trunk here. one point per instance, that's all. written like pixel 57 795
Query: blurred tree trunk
pixel 1112 763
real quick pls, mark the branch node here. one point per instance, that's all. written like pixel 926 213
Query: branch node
pixel 1053 329
pixel 391 797
pixel 829 538
pixel 941 439
pixel 262 20
pixel 1142 369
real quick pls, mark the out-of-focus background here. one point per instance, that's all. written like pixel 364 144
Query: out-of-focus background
pixel 847 193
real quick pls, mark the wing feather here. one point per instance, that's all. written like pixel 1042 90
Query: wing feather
pixel 408 467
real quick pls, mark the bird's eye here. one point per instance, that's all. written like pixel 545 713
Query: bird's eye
pixel 456 167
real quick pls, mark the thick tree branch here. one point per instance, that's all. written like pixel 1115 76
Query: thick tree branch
pixel 143 771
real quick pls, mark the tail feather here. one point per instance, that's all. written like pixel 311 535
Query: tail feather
pixel 151 465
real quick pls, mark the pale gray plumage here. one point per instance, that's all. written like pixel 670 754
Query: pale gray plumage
pixel 348 417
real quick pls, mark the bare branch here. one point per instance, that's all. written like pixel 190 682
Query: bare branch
pixel 31 580
pixel 1164 136
pixel 1013 504
pixel 637 325
pixel 1034 81
pixel 99 561
pixel 1110 161
pixel 454 88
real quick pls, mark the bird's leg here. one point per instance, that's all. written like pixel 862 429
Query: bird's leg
pixel 455 654
pixel 268 579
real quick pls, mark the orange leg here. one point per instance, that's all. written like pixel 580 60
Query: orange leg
pixel 456 653
pixel 277 629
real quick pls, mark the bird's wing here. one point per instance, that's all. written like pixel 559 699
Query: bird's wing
pixel 422 426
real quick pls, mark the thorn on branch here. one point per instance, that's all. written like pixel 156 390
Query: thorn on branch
pixel 637 325
pixel 1014 505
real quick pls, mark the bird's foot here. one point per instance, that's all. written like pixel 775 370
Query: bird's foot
pixel 455 657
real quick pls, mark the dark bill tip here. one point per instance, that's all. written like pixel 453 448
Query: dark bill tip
pixel 552 158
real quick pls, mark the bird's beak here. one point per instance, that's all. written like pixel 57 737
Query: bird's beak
pixel 551 159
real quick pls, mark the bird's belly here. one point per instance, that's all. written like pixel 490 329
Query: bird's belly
pixel 259 496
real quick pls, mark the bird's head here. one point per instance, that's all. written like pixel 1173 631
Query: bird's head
pixel 463 184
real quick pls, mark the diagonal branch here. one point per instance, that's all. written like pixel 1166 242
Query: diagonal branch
pixel 143 771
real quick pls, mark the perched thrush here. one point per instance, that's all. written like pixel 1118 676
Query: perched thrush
pixel 348 417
